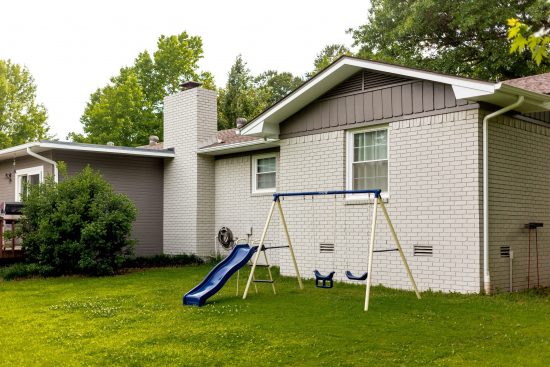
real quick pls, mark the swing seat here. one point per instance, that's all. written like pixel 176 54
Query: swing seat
pixel 356 277
pixel 323 281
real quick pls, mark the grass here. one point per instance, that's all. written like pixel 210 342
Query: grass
pixel 137 319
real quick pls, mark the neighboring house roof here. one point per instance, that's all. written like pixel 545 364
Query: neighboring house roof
pixel 535 83
pixel 231 141
pixel 499 94
pixel 45 145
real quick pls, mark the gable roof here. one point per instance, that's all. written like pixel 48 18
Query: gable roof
pixel 534 83
pixel 45 145
pixel 267 123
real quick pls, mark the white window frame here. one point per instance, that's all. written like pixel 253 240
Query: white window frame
pixel 254 172
pixel 26 172
pixel 349 161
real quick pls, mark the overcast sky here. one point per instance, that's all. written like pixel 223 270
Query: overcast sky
pixel 73 47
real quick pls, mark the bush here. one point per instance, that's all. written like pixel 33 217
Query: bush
pixel 25 271
pixel 78 225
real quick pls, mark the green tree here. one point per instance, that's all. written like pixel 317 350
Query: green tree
pixel 130 108
pixel 327 56
pixel 461 37
pixel 274 86
pixel 525 40
pixel 239 97
pixel 247 96
pixel 22 119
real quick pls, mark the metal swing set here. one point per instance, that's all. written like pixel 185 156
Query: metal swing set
pixel 325 281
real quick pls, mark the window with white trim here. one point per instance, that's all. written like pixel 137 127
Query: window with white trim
pixel 264 173
pixel 27 176
pixel 367 159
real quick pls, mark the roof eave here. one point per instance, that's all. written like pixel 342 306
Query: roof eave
pixel 21 150
pixel 266 124
pixel 239 147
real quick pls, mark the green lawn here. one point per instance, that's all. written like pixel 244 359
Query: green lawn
pixel 137 319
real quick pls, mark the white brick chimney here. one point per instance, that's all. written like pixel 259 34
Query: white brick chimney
pixel 190 118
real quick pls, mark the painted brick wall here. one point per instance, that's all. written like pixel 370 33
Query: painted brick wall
pixel 519 193
pixel 189 119
pixel 239 209
pixel 434 200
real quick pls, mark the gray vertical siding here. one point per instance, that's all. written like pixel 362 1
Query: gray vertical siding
pixel 141 179
pixel 369 97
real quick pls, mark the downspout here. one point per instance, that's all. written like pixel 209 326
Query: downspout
pixel 486 274
pixel 44 159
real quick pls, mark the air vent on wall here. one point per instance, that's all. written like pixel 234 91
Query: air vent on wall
pixel 505 251
pixel 423 250
pixel 326 247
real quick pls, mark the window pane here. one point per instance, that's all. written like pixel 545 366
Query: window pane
pixel 358 140
pixel 381 137
pixel 265 181
pixel 266 165
pixel 370 153
pixel 370 175
pixel 34 179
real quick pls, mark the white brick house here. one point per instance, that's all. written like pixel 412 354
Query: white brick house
pixel 417 135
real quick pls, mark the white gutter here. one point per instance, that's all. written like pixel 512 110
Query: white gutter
pixel 486 273
pixel 44 159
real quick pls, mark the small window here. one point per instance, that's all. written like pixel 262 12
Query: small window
pixel 264 177
pixel 28 176
pixel 368 160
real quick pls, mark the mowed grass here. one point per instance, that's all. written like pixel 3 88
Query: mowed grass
pixel 137 319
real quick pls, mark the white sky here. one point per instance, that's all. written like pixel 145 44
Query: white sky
pixel 73 47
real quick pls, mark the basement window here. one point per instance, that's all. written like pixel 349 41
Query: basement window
pixel 264 173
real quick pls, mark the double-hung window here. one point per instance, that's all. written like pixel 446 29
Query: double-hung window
pixel 367 160
pixel 264 173
pixel 25 177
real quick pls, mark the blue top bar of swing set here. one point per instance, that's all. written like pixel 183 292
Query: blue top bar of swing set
pixel 376 193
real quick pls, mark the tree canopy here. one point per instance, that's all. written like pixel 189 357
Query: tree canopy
pixel 130 108
pixel 525 39
pixel 460 37
pixel 246 95
pixel 22 119
pixel 327 56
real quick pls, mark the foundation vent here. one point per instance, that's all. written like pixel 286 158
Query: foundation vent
pixel 505 251
pixel 423 250
pixel 326 248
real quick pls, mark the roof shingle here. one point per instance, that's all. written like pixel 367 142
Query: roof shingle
pixel 534 83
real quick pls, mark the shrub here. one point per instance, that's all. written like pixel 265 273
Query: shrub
pixel 25 271
pixel 78 225
pixel 158 261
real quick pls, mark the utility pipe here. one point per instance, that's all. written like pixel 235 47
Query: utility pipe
pixel 44 159
pixel 486 274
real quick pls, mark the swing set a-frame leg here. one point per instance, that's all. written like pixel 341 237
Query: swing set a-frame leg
pixel 403 258
pixel 277 203
pixel 260 246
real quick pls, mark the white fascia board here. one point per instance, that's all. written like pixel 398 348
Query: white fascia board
pixel 102 149
pixel 425 75
pixel 466 92
pixel 17 148
pixel 242 146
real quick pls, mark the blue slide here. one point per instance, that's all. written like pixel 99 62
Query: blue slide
pixel 219 275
